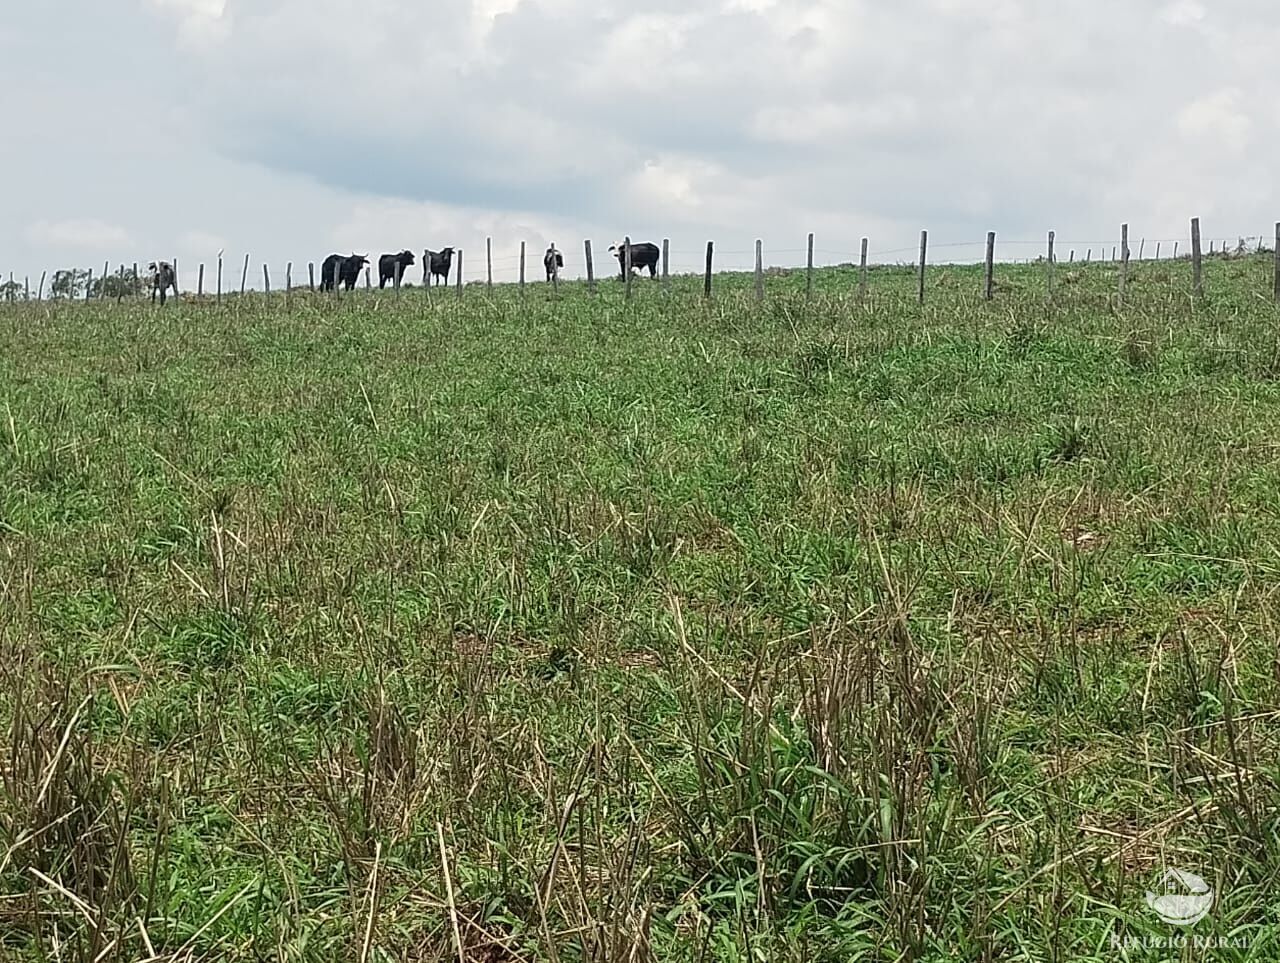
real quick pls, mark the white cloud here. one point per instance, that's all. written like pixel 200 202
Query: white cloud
pixel 1183 13
pixel 199 21
pixel 1217 121
pixel 815 123
pixel 79 234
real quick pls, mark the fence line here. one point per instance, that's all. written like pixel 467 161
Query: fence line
pixel 87 284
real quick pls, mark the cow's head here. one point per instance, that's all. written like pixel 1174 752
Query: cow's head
pixel 406 258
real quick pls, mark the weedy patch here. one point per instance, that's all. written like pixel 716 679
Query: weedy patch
pixel 563 628
pixel 1140 353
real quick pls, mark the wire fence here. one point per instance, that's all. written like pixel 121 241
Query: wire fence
pixel 518 264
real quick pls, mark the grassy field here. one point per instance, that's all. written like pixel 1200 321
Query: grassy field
pixel 574 630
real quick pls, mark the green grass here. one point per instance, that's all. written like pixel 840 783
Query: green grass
pixel 813 631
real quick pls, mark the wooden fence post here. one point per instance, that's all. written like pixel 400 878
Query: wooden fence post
pixel 1276 253
pixel 311 275
pixel 1072 259
pixel 1088 256
pixel 990 265
pixel 666 265
pixel 177 279
pixel 488 259
pixel 522 243
pixel 808 270
pixel 1175 250
pixel 1158 244
pixel 1142 246
pixel 399 273
pixel 862 281
pixel 626 263
pixel 288 283
pixel 591 269
pixel 199 281
pixel 706 280
pixel 40 290
pixel 219 278
pixel 266 279
pixel 1048 276
pixel 555 271
pixel 88 284
pixel 1124 258
pixel 26 286
pixel 1197 285
pixel 106 273
pixel 924 251
pixel 759 269
pixel 244 275
pixel 459 288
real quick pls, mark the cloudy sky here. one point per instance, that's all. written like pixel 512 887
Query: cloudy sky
pixel 156 128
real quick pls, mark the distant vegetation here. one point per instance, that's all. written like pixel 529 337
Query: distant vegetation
pixel 572 630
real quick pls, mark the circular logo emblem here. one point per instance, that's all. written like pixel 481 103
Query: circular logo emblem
pixel 1185 898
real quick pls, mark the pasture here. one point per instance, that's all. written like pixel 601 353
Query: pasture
pixel 575 630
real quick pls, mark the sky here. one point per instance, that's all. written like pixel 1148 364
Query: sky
pixel 290 130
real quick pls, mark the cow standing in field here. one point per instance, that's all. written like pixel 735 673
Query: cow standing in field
pixel 391 267
pixel 338 269
pixel 436 264
pixel 553 260
pixel 329 271
pixel 643 255
pixel 162 277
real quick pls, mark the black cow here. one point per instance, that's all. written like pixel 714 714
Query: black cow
pixel 329 271
pixel 436 264
pixel 388 265
pixel 342 270
pixel 162 278
pixel 643 255
pixel 552 260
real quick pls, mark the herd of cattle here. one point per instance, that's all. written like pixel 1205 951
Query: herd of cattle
pixel 345 270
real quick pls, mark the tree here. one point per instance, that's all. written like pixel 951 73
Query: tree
pixel 118 285
pixel 11 291
pixel 69 283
